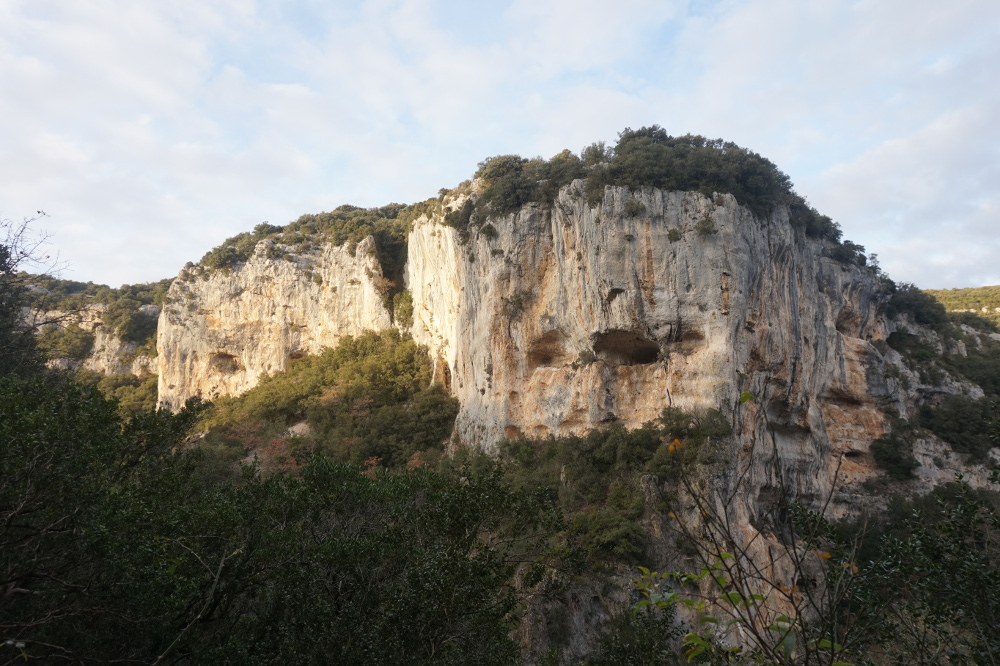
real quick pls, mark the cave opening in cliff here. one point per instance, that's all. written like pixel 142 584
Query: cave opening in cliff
pixel 224 363
pixel 625 348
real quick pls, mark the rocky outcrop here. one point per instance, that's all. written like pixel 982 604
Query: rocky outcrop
pixel 562 318
pixel 110 355
pixel 222 331
pixel 573 316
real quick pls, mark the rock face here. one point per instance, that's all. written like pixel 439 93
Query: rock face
pixel 575 316
pixel 220 334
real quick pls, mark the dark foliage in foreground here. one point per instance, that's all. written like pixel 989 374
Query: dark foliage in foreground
pixel 115 544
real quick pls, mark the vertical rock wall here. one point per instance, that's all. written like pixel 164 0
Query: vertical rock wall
pixel 218 335
pixel 573 316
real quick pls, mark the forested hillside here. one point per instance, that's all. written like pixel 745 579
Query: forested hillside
pixel 982 301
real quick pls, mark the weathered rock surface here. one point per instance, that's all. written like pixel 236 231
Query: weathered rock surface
pixel 565 317
pixel 576 316
pixel 220 334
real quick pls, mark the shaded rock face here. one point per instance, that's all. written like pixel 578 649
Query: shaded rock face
pixel 575 316
pixel 110 355
pixel 219 335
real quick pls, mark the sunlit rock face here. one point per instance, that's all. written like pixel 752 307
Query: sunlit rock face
pixel 573 316
pixel 218 335
pixel 567 317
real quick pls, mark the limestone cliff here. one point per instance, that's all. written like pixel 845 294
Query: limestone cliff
pixel 573 316
pixel 221 332
pixel 560 318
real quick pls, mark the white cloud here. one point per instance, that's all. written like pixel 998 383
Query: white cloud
pixel 928 201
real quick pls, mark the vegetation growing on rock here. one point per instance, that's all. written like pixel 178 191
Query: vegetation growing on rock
pixel 345 225
pixel 649 157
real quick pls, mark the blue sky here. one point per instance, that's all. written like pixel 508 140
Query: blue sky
pixel 151 131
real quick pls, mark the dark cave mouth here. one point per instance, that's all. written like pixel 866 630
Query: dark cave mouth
pixel 625 348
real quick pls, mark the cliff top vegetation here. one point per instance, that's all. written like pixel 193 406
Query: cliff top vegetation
pixel 346 224
pixel 650 157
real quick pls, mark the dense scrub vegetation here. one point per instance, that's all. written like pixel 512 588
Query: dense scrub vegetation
pixel 126 549
pixel 931 575
pixel 594 479
pixel 49 293
pixel 132 395
pixel 971 298
pixel 961 421
pixel 71 342
pixel 922 308
pixel 369 400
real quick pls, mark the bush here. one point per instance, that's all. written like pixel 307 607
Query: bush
pixel 133 395
pixel 605 533
pixel 893 452
pixel 922 307
pixel 460 218
pixel 848 253
pixel 510 181
pixel 634 208
pixel 402 309
pixel 706 227
pixel 126 319
pixel 639 639
pixel 651 157
pixel 980 364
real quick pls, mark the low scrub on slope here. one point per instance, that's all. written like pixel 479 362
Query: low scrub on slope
pixel 121 311
pixel 368 399
pixel 983 302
